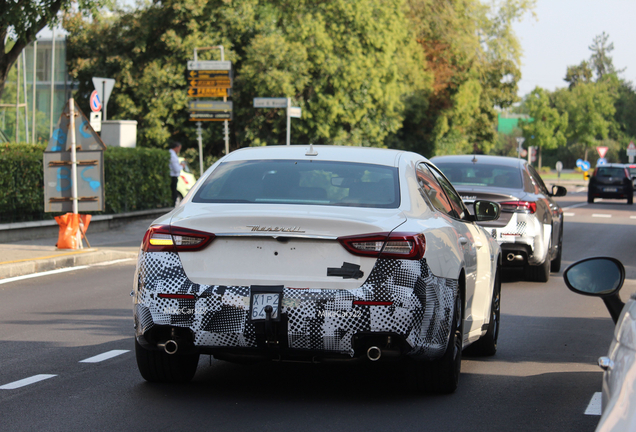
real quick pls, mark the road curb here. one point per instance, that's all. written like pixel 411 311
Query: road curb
pixel 93 256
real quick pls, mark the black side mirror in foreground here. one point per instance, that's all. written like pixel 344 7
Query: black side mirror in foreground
pixel 558 191
pixel 486 210
pixel 600 277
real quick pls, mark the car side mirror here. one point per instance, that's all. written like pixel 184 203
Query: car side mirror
pixel 599 277
pixel 486 210
pixel 558 191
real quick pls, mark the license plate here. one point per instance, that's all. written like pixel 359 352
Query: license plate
pixel 262 300
pixel 610 189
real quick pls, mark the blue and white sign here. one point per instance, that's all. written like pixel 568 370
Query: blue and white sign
pixel 601 161
pixel 584 165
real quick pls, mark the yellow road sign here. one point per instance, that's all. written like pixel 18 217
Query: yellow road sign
pixel 208 92
pixel 217 83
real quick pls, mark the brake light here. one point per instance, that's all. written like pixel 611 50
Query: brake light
pixel 519 206
pixel 386 245
pixel 165 238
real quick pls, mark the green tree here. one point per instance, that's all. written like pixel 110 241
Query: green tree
pixel 581 73
pixel 600 58
pixel 20 22
pixel 548 127
pixel 474 58
pixel 348 65
pixel 590 111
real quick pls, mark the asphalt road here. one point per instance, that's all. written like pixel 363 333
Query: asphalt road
pixel 542 378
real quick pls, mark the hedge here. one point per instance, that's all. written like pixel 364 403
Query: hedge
pixel 135 179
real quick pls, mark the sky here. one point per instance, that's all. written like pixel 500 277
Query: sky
pixel 562 32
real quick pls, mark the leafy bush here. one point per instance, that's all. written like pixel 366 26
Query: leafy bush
pixel 21 183
pixel 135 179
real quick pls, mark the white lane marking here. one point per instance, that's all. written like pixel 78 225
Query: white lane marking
pixel 581 189
pixel 26 381
pixel 62 270
pixel 575 206
pixel 602 215
pixel 105 356
pixel 632 217
pixel 594 407
pixel 568 214
pixel 46 273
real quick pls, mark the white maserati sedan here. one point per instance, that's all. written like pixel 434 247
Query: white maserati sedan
pixel 319 253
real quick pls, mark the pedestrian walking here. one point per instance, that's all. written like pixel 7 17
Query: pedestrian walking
pixel 175 169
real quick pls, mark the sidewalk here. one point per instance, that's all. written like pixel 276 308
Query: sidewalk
pixel 18 258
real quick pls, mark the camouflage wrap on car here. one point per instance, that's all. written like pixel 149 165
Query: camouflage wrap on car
pixel 318 319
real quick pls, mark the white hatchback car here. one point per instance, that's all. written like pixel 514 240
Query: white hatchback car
pixel 316 253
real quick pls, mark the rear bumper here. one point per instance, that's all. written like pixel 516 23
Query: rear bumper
pixel 599 191
pixel 525 238
pixel 313 321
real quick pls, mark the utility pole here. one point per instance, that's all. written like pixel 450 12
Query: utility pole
pixel 52 83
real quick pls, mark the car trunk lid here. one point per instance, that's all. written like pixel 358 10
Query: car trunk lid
pixel 293 245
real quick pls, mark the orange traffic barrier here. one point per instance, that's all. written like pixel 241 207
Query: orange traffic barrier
pixel 69 225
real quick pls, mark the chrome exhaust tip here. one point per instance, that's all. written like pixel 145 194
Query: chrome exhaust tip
pixel 374 353
pixel 170 347
pixel 510 257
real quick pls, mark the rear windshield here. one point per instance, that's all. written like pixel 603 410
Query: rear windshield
pixel 302 182
pixel 482 175
pixel 611 172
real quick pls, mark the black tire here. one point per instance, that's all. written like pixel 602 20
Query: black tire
pixel 555 264
pixel 442 376
pixel 630 200
pixel 487 344
pixel 158 366
pixel 590 199
pixel 539 273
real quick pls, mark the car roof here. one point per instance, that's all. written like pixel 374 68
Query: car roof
pixel 612 165
pixel 476 159
pixel 371 155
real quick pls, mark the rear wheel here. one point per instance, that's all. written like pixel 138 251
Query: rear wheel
pixel 590 199
pixel 442 376
pixel 158 366
pixel 555 264
pixel 630 200
pixel 540 273
pixel 487 344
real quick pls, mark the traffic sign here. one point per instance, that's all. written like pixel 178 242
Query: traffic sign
pixel 559 166
pixel 602 151
pixel 208 74
pixel 210 115
pixel 104 87
pixel 295 112
pixel 204 105
pixel 218 83
pixel 96 121
pixel 265 102
pixel 631 149
pixel 210 65
pixel 95 103
pixel 208 92
pixel 601 161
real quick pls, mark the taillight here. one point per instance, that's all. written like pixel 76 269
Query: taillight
pixel 385 245
pixel 519 206
pixel 164 238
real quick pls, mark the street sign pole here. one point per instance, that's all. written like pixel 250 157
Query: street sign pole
pixel 288 121
pixel 200 140
pixel 71 113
